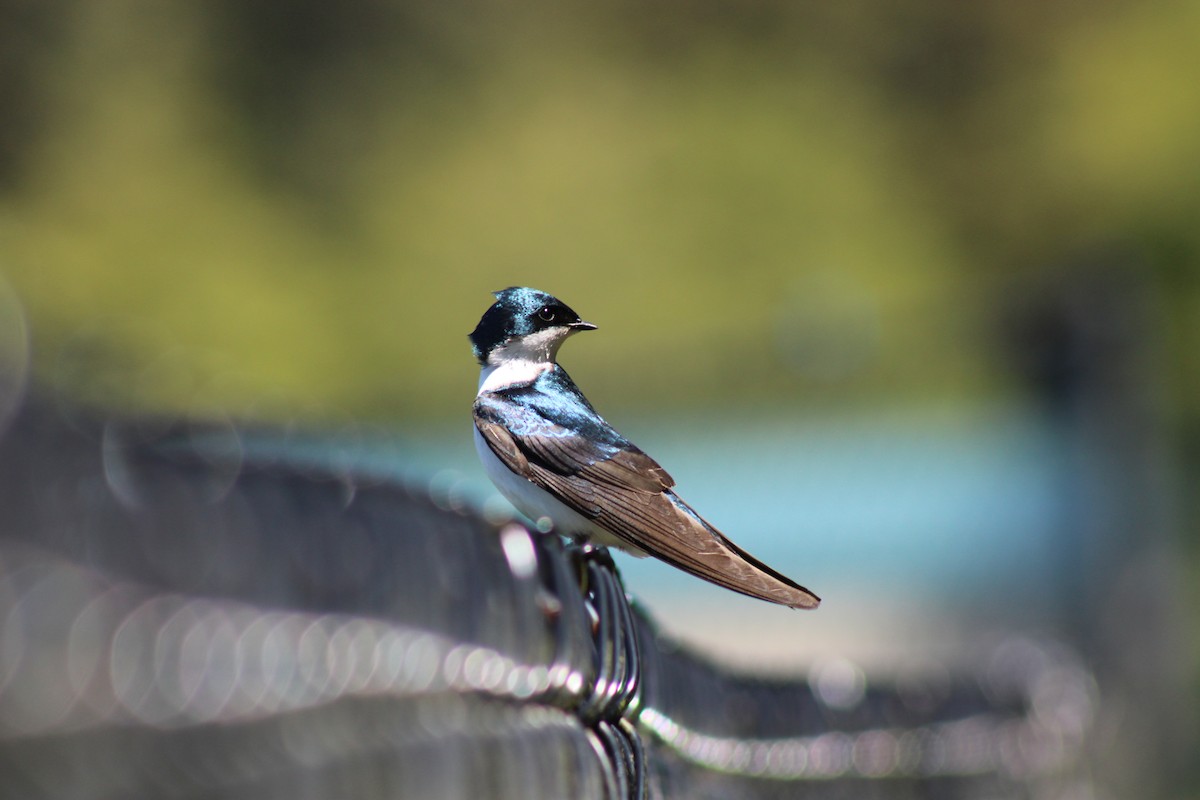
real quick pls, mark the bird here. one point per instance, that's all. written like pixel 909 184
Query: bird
pixel 553 456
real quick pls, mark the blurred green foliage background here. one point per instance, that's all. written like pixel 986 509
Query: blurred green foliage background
pixel 296 209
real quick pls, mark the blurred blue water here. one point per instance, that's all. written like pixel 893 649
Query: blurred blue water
pixel 965 506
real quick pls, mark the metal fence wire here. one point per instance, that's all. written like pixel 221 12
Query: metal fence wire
pixel 185 621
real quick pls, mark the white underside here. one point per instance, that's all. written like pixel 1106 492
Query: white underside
pixel 536 503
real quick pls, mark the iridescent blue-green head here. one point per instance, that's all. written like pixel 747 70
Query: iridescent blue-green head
pixel 524 323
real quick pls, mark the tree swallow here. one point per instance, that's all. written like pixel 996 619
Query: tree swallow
pixel 549 452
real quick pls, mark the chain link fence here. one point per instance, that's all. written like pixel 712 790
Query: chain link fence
pixel 185 620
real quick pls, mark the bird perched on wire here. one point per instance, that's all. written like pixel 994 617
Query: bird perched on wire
pixel 551 455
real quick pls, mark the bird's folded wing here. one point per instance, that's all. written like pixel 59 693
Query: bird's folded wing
pixel 628 494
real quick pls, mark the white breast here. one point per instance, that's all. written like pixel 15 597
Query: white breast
pixel 536 503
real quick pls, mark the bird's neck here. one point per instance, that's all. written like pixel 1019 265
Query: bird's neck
pixel 521 360
pixel 510 372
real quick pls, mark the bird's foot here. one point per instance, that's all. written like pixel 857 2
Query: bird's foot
pixel 597 554
pixel 587 553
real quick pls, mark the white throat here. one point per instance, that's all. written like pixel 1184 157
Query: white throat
pixel 514 372
pixel 522 360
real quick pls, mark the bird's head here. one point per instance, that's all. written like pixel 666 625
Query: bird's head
pixel 526 324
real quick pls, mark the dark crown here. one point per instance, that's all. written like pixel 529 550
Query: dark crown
pixel 518 311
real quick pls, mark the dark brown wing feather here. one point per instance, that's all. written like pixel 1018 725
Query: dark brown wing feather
pixel 628 494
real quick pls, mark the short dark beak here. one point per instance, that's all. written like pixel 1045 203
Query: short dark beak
pixel 582 326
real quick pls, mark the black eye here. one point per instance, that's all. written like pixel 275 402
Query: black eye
pixel 546 314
